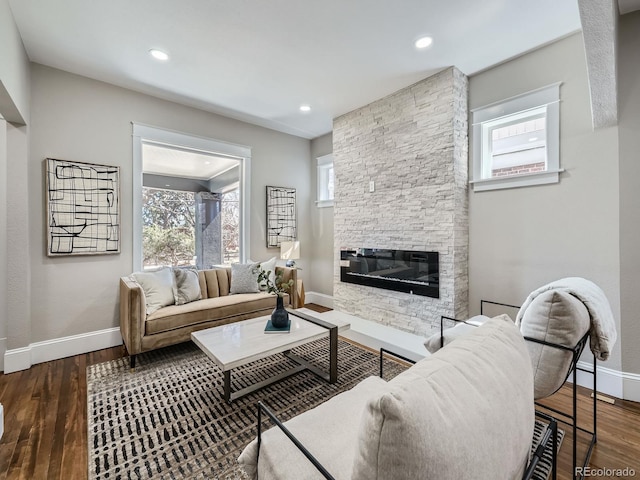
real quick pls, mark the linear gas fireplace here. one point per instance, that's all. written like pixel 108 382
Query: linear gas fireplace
pixel 400 270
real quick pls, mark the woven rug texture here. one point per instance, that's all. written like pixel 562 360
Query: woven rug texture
pixel 167 419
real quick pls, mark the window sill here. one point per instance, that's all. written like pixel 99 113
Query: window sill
pixel 516 181
pixel 324 203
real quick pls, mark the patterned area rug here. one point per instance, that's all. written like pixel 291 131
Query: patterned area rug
pixel 167 419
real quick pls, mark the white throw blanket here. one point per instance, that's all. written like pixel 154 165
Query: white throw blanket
pixel 602 334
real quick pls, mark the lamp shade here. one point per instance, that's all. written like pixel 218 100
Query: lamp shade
pixel 290 250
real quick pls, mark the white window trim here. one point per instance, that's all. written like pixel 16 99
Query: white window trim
pixel 322 162
pixel 143 132
pixel 548 96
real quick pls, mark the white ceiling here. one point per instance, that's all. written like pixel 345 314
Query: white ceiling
pixel 175 162
pixel 259 60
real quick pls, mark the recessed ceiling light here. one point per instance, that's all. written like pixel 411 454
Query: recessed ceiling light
pixel 158 54
pixel 423 42
pixel 305 108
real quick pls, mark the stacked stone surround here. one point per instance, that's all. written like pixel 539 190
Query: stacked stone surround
pixel 413 145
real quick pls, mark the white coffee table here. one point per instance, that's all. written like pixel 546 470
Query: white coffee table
pixel 236 344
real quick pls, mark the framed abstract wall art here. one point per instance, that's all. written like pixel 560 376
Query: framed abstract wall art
pixel 281 215
pixel 83 208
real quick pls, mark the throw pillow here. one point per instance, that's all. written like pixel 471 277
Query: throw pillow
pixel 556 317
pixel 186 287
pixel 157 287
pixel 268 266
pixel 244 278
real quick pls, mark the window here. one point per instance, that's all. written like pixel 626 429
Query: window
pixel 325 181
pixel 188 172
pixel 515 143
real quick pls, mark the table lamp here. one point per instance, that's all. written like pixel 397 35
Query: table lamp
pixel 290 251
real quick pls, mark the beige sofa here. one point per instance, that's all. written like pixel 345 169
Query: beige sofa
pixel 174 323
pixel 464 412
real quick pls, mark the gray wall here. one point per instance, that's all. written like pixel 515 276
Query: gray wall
pixel 523 238
pixel 320 252
pixel 14 70
pixel 14 107
pixel 3 240
pixel 76 118
pixel 629 137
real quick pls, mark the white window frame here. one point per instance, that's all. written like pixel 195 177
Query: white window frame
pixel 325 163
pixel 543 98
pixel 154 134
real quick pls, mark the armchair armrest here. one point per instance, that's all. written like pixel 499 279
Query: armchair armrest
pixel 262 408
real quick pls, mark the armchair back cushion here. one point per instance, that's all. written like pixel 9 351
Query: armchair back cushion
pixel 465 412
pixel 558 317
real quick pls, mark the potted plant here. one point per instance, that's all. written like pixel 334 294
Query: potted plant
pixel 279 316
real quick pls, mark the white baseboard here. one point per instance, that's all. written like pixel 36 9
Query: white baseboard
pixel 610 382
pixel 631 386
pixel 319 299
pixel 22 358
pixel 17 359
pixel 3 348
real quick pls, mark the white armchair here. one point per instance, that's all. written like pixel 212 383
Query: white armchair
pixel 557 320
pixel 466 412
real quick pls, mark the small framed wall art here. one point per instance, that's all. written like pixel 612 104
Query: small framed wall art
pixel 83 208
pixel 281 215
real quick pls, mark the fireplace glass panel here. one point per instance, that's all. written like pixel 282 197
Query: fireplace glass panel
pixel 413 272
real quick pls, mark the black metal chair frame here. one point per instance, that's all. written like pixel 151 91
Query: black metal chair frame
pixel 570 419
pixel 550 434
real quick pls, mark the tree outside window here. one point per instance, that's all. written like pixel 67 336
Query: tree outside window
pixel 170 224
pixel 168 232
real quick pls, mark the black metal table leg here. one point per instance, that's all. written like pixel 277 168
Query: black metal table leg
pixel 227 385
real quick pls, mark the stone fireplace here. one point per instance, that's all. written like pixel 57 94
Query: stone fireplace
pixel 401 183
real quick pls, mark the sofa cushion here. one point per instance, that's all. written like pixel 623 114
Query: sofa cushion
pixel 157 287
pixel 218 308
pixel 464 412
pixel 186 287
pixel 214 282
pixel 554 316
pixel 280 460
pixel 244 278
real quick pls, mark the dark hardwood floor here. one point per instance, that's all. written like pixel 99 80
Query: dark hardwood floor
pixel 46 423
